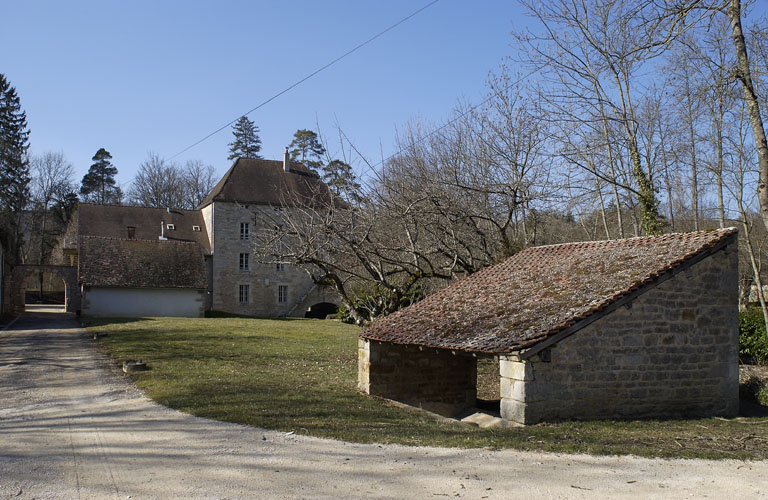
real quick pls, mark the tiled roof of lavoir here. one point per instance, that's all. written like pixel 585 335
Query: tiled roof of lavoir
pixel 141 263
pixel 540 292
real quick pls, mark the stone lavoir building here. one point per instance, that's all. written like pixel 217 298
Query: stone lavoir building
pixel 217 238
pixel 642 327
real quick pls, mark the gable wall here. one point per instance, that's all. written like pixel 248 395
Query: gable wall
pixel 673 353
pixel 263 279
pixel 207 213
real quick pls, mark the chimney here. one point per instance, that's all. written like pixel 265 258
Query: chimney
pixel 162 231
pixel 286 161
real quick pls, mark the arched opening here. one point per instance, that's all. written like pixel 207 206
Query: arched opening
pixel 321 310
pixel 44 290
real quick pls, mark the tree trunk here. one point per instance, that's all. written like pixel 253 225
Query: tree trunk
pixel 753 106
pixel 666 178
pixel 599 190
pixel 694 167
pixel 604 120
pixel 719 169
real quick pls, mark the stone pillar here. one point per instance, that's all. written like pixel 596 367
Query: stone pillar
pixel 364 365
pixel 517 386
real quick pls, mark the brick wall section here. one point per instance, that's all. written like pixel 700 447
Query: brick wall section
pixel 263 280
pixel 435 380
pixel 673 353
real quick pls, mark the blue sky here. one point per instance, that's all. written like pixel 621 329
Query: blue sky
pixel 142 76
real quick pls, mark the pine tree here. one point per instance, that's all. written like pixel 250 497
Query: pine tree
pixel 14 165
pixel 247 143
pixel 99 184
pixel 341 179
pixel 307 149
pixel 14 143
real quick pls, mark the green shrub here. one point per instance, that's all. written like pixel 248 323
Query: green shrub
pixel 344 316
pixel 754 389
pixel 752 339
pixel 371 301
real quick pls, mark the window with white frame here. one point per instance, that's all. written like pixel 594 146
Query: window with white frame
pixel 282 294
pixel 243 230
pixel 243 261
pixel 243 296
pixel 280 266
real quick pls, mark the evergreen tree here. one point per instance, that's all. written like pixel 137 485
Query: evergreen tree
pixel 307 149
pixel 99 184
pixel 247 143
pixel 14 166
pixel 64 206
pixel 341 179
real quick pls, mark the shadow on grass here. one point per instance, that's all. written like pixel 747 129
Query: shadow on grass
pixel 90 321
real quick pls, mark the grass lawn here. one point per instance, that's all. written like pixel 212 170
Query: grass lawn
pixel 301 375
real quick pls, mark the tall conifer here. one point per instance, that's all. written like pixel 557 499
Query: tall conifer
pixel 14 166
pixel 247 143
pixel 99 185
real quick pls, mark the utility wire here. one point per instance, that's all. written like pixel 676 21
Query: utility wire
pixel 360 46
pixel 444 125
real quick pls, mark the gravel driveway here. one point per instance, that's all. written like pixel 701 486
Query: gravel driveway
pixel 73 428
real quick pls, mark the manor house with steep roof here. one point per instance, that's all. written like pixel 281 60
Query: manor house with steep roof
pixel 142 261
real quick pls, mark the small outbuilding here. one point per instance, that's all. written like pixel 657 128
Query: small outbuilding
pixel 633 328
pixel 135 278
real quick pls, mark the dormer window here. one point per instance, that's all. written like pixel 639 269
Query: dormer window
pixel 131 232
pixel 195 228
pixel 171 227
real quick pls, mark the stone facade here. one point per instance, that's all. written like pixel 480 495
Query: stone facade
pixel 223 221
pixel 672 351
pixel 436 380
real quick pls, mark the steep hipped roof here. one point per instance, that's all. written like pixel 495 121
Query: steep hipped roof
pixel 540 292
pixel 113 262
pixel 265 182
pixel 112 221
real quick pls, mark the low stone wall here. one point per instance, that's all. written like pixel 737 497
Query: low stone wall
pixel 673 352
pixel 435 380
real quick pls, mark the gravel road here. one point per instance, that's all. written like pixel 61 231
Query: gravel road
pixel 73 428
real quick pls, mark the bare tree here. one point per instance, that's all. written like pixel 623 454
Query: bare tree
pixel 591 53
pixel 454 200
pixel 742 175
pixel 52 181
pixel 743 73
pixel 158 184
pixel 199 180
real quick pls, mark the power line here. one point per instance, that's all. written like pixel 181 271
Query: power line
pixel 446 124
pixel 356 48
